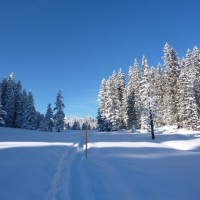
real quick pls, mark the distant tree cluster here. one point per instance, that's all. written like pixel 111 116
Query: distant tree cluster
pixel 171 96
pixel 55 118
pixel 17 109
pixel 79 123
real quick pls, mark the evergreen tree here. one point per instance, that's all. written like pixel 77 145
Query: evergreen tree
pixel 102 106
pixel 131 113
pixel 121 87
pixel 144 95
pixel 83 126
pixel 2 113
pixel 68 127
pixel 124 109
pixel 17 100
pixel 101 121
pixel 113 104
pixel 40 121
pixel 188 114
pixel 31 115
pixel 171 75
pixel 133 97
pixel 76 125
pixel 59 116
pixel 49 121
pixel 159 96
pixel 9 102
pixel 4 83
pixel 193 118
pixel 148 105
pixel 182 95
pixel 196 66
pixel 22 115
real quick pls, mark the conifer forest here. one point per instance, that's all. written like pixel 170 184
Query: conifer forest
pixel 17 110
pixel 170 93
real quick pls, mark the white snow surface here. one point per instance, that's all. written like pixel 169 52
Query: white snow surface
pixel 37 165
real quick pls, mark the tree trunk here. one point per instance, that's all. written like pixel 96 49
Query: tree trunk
pixel 152 128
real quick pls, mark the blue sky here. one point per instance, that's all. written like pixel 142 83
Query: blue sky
pixel 70 45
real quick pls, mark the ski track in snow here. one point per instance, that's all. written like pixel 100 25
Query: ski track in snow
pixel 59 175
pixel 80 183
pixel 71 180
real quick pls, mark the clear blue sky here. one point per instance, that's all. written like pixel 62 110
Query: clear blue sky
pixel 70 45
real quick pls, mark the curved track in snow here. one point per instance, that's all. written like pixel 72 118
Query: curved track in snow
pixel 71 180
pixel 59 182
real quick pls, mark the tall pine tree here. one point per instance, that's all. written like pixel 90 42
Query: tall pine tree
pixel 59 116
pixel 171 75
pixel 2 113
pixel 49 121
pixel 159 96
pixel 30 113
pixel 144 95
pixel 133 97
pixel 121 87
pixel 9 102
pixel 113 104
pixel 187 105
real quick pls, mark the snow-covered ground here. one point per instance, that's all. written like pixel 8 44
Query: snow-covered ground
pixel 38 165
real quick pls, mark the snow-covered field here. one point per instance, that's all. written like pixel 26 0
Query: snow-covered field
pixel 38 165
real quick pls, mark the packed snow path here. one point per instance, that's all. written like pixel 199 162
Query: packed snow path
pixel 52 166
pixel 62 173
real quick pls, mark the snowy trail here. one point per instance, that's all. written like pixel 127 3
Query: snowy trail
pixel 71 180
pixel 59 182
pixel 80 182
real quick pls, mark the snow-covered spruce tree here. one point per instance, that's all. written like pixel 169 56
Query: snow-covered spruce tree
pixel 144 95
pixel 99 120
pixel 21 112
pixel 193 118
pixel 49 121
pixel 2 113
pixel 22 119
pixel 103 123
pixel 99 112
pixel 83 126
pixel 187 106
pixel 113 104
pixel 18 108
pixel 3 91
pixel 171 75
pixel 196 65
pixel 125 108
pixel 9 102
pixel 159 93
pixel 3 88
pixel 121 88
pixel 148 106
pixel 30 113
pixel 182 83
pixel 40 121
pixel 76 125
pixel 133 97
pixel 59 116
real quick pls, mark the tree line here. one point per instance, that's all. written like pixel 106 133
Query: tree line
pixel 170 95
pixel 80 123
pixel 17 109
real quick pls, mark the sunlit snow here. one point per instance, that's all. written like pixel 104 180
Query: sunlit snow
pixel 40 165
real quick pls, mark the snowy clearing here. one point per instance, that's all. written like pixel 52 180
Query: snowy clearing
pixel 40 165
